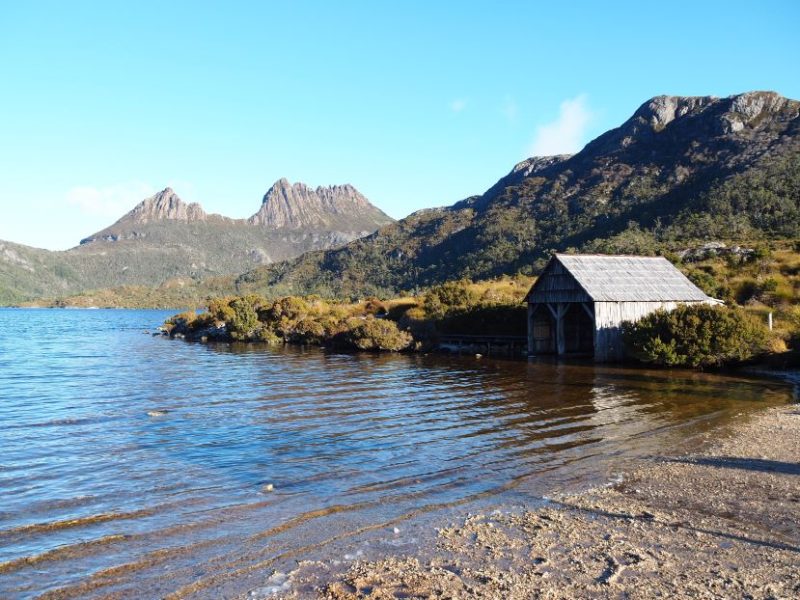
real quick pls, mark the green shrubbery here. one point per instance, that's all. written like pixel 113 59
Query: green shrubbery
pixel 294 320
pixel 447 298
pixel 244 323
pixel 372 324
pixel 377 334
pixel 698 335
pixel 180 322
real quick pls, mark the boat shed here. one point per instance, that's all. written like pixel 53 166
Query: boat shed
pixel 579 302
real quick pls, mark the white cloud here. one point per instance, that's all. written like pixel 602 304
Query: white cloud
pixel 458 105
pixel 566 134
pixel 109 201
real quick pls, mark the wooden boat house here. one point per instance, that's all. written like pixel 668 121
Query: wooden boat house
pixel 579 302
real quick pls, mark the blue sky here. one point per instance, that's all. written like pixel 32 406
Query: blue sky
pixel 417 104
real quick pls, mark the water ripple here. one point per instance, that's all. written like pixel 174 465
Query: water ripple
pixel 125 454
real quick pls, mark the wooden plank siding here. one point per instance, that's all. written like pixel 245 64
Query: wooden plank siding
pixel 608 318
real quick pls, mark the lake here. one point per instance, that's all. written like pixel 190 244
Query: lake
pixel 132 465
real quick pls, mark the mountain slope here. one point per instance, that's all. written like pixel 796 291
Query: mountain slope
pixel 697 167
pixel 163 238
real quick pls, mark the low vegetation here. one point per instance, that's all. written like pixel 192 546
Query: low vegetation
pixel 753 281
pixel 698 335
pixel 411 322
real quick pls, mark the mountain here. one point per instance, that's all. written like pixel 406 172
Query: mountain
pixel 297 206
pixel 680 168
pixel 164 238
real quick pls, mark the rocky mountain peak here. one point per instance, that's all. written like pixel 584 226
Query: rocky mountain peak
pixel 297 206
pixel 670 126
pixel 166 204
pixel 534 164
pixel 660 111
pixel 733 112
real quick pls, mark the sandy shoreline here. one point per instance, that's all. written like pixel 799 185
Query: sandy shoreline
pixel 724 523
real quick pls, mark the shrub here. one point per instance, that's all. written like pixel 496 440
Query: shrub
pixel 184 318
pixel 793 318
pixel 308 331
pixel 746 291
pixel 221 309
pixel 266 335
pixel 205 319
pixel 180 323
pixel 244 323
pixel 377 334
pixel 697 335
pixel 332 325
pixel 486 320
pixel 705 281
pixel 448 297
pixel 373 306
pixel 399 310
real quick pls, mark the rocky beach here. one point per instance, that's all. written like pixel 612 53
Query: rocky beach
pixel 718 523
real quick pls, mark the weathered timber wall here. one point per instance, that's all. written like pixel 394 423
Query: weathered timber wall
pixel 608 319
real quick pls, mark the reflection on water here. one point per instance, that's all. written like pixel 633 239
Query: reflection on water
pixel 154 457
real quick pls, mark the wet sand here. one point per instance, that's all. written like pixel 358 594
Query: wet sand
pixel 722 523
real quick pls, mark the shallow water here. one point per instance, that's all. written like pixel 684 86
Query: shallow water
pixel 139 466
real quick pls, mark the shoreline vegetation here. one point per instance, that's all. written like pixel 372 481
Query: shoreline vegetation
pixel 720 522
pixel 406 323
pixel 753 282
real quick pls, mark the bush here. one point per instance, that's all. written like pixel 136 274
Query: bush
pixel 266 335
pixel 377 334
pixel 184 318
pixel 697 335
pixel 449 297
pixel 793 318
pixel 288 309
pixel 308 331
pixel 373 306
pixel 180 323
pixel 221 309
pixel 244 323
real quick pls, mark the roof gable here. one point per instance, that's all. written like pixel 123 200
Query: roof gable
pixel 614 279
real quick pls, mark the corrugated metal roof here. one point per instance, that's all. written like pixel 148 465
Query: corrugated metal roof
pixel 629 278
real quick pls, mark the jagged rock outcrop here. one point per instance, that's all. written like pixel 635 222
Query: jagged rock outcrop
pixel 707 116
pixel 297 206
pixel 741 109
pixel 166 205
pixel 530 167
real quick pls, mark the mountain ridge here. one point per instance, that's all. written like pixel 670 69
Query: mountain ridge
pixel 163 238
pixel 679 167
pixel 297 205
pixel 284 206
